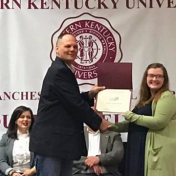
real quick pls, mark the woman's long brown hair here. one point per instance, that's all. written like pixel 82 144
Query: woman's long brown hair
pixel 145 93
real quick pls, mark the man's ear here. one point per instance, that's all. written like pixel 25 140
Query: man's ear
pixel 57 48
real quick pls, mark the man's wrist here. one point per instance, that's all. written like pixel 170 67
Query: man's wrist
pixel 90 95
pixel 12 172
pixel 98 160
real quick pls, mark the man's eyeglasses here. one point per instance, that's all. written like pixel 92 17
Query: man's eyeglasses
pixel 155 76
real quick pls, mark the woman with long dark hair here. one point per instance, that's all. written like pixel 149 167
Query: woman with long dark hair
pixel 151 127
pixel 15 157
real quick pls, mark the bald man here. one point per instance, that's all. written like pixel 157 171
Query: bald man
pixel 57 137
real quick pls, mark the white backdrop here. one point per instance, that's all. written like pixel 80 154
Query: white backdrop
pixel 144 32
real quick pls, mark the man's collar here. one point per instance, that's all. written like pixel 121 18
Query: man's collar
pixel 70 67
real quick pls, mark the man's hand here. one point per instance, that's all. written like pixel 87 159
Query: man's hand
pixel 97 169
pixel 14 174
pixel 92 160
pixel 93 92
pixel 104 125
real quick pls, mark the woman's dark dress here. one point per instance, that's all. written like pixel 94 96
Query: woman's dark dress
pixel 135 149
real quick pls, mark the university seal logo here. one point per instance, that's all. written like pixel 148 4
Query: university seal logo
pixel 97 42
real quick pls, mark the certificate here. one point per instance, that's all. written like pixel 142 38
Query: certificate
pixel 113 100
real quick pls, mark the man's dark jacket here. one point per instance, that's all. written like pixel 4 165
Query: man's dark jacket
pixel 58 129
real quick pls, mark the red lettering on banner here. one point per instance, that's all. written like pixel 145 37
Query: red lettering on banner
pixel 128 4
pixel 115 4
pixel 67 4
pixel 24 95
pixel 17 3
pixel 170 3
pixel 56 3
pixel 14 97
pixel 101 3
pixel 105 33
pixel 20 95
pixel 10 4
pixel 72 28
pixel 86 75
pixel 32 96
pixel 5 4
pixel 87 5
pixel 31 4
pixel 43 4
pixel 142 2
pixel 5 121
pixel 159 3
pixel 39 93
pixel 76 4
pixel 149 4
pixel 7 95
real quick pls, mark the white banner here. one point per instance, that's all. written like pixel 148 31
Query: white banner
pixel 137 31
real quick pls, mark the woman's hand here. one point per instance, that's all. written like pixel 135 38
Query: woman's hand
pixel 28 172
pixel 126 115
pixel 123 114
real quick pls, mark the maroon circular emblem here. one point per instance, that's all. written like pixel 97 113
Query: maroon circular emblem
pixel 96 43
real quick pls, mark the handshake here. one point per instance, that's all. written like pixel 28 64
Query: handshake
pixel 104 124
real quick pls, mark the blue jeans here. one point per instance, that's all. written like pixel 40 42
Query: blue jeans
pixel 53 166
